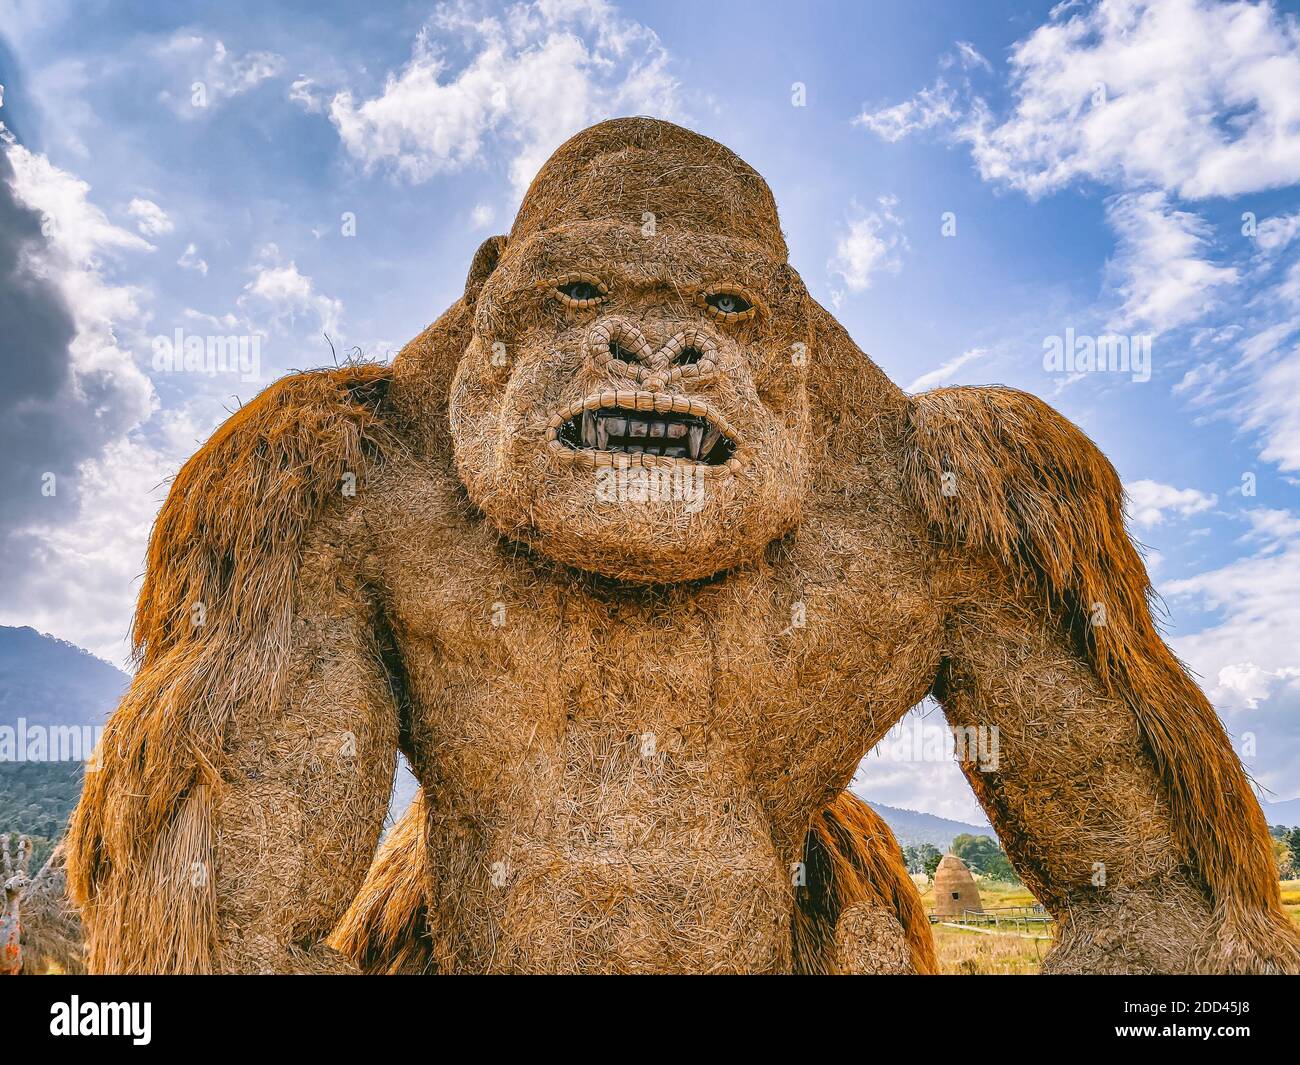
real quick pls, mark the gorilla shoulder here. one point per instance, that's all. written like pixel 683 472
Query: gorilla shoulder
pixel 248 496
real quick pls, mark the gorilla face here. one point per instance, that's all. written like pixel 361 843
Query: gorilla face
pixel 633 403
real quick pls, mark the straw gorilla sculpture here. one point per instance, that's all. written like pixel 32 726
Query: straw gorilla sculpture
pixel 634 554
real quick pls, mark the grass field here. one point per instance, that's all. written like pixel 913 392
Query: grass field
pixel 1291 899
pixel 970 953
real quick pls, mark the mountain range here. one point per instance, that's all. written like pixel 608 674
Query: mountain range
pixel 49 681
pixel 912 827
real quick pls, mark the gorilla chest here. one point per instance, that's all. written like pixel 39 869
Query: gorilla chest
pixel 762 689
pixel 638 767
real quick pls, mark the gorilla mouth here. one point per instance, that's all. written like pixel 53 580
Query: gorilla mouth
pixel 648 424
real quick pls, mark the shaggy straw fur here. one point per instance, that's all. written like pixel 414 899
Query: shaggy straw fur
pixel 212 634
pixel 859 894
pixel 386 929
pixel 629 681
pixel 853 869
pixel 1034 492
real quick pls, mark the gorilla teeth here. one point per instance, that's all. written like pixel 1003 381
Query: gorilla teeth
pixel 670 434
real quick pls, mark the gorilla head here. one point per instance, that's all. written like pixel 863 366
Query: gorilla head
pixel 632 397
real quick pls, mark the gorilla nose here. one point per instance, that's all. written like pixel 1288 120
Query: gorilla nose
pixel 620 341
pixel 623 344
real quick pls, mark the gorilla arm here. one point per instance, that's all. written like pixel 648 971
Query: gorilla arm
pixel 240 787
pixel 1114 786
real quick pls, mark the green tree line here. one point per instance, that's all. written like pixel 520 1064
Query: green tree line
pixel 982 856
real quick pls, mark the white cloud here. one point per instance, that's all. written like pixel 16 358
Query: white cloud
pixel 190 260
pixel 1259 597
pixel 307 95
pixel 871 243
pixel 912 768
pixel 1200 386
pixel 101 399
pixel 1274 234
pixel 1158 269
pixel 79 234
pixel 1194 96
pixel 930 107
pixel 208 74
pixel 937 105
pixel 1150 501
pixel 1249 656
pixel 1260 344
pixel 1162 102
pixel 1273 527
pixel 1272 411
pixel 1251 372
pixel 482 215
pixel 151 220
pixel 77 227
pixel 287 293
pixel 537 73
pixel 83 576
pixel 227 322
pixel 945 374
pixel 969 57
pixel 1245 685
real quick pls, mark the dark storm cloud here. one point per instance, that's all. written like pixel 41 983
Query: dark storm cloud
pixel 56 412
pixel 39 411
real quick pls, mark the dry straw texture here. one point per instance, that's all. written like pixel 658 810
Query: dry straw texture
pixel 858 910
pixel 764 635
pixel 1034 494
pixel 212 635
pixel 954 888
pixel 386 929
pixel 859 893
pixel 710 214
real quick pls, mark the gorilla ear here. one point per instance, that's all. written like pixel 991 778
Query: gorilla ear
pixel 485 261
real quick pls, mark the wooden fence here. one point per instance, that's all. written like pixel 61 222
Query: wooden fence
pixel 1020 920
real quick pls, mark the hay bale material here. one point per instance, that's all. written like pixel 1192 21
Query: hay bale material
pixel 858 910
pixel 627 708
pixel 954 888
pixel 214 637
pixel 1051 606
pixel 386 929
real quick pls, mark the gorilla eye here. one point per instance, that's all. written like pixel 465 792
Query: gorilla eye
pixel 728 303
pixel 579 291
pixel 729 306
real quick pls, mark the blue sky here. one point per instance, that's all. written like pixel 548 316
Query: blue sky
pixel 284 170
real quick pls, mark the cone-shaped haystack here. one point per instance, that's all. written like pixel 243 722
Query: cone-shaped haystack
pixel 954 888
